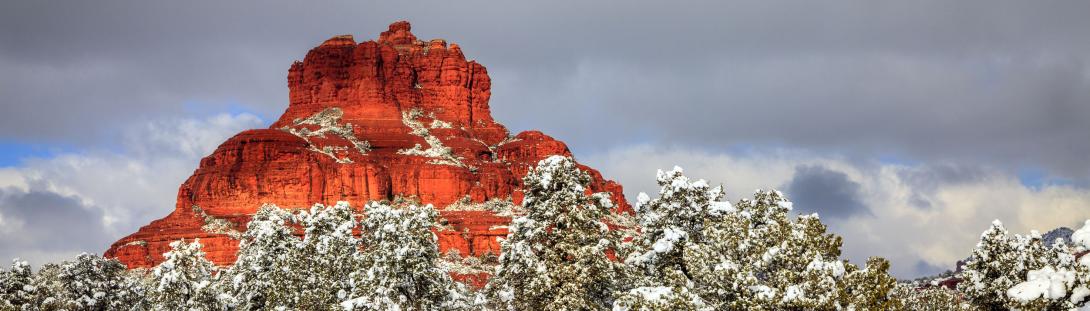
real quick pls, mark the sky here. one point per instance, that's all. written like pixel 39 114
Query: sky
pixel 908 126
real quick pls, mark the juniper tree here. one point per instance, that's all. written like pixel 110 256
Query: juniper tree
pixel 49 291
pixel 871 288
pixel 750 255
pixel 932 298
pixel 671 223
pixel 1020 272
pixel 184 280
pixel 16 288
pixel 660 298
pixel 998 263
pixel 321 262
pixel 263 267
pixel 92 282
pixel 555 257
pixel 761 259
pixel 398 267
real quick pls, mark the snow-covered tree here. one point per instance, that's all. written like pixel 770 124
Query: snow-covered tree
pixel 871 288
pixel 92 282
pixel 263 267
pixel 931 298
pixel 761 259
pixel 660 298
pixel 16 288
pixel 184 281
pixel 49 291
pixel 399 265
pixel 1021 272
pixel 555 257
pixel 673 222
pixel 750 255
pixel 322 261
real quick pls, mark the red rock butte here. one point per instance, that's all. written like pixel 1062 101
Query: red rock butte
pixel 377 120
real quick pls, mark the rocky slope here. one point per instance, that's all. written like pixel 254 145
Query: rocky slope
pixel 386 119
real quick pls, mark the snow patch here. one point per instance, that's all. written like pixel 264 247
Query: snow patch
pixel 328 122
pixel 1047 282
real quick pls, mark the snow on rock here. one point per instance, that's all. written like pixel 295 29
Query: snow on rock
pixel 352 107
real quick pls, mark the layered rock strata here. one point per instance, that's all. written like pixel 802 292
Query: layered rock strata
pixel 395 118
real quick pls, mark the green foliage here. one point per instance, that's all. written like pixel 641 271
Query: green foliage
pixel 184 281
pixel 95 283
pixel 660 299
pixel 264 265
pixel 871 288
pixel 398 267
pixel 749 256
pixel 932 298
pixel 15 285
pixel 1020 272
pixel 691 250
pixel 555 256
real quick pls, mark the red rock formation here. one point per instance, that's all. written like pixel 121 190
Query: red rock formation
pixel 368 121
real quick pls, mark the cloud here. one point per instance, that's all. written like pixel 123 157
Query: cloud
pixel 76 202
pixel 1004 83
pixel 825 191
pixel 44 226
pixel 961 95
pixel 873 205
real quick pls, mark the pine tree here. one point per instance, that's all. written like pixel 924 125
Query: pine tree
pixel 555 257
pixel 184 280
pixel 399 263
pixel 263 266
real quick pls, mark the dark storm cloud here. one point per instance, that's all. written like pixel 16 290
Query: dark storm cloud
pixel 927 179
pixel 1002 82
pixel 816 189
pixel 48 222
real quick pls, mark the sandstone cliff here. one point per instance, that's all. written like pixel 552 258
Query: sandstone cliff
pixel 396 117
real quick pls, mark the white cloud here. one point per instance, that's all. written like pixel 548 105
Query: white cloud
pixel 123 189
pixel 922 216
pixel 11 177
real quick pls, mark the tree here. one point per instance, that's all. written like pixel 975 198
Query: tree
pixel 1020 272
pixel 660 298
pixel 398 267
pixel 184 280
pixel 16 288
pixel 321 263
pixel 672 223
pixel 555 257
pixel 871 288
pixel 758 258
pixel 49 291
pixel 95 283
pixel 263 266
pixel 746 256
pixel 931 298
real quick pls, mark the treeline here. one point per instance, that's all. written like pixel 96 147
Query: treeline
pixel 686 249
